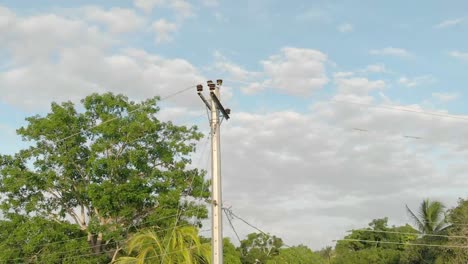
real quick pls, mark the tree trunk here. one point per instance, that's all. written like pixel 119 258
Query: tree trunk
pixel 95 242
pixel 91 241
pixel 98 244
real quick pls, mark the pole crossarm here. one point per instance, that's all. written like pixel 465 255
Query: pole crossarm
pixel 219 105
pixel 204 100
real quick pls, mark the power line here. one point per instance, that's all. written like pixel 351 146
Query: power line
pixel 203 182
pixel 124 229
pixel 165 254
pixel 251 225
pixel 114 242
pixel 256 228
pixel 403 109
pixel 401 243
pixel 364 130
pixel 174 251
pixel 230 223
pixel 190 187
pixel 447 221
pixel 406 233
pixel 388 107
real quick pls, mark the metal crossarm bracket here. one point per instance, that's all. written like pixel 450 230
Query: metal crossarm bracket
pixel 219 105
pixel 204 100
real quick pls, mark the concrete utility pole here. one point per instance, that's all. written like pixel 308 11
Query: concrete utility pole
pixel 215 109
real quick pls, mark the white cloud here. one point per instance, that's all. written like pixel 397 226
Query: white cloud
pixel 375 68
pixel 178 113
pixel 449 23
pixel 345 28
pixel 343 74
pixel 163 30
pixel 357 86
pixel 38 38
pixel 378 172
pixel 416 81
pixel 148 5
pixel 253 88
pixel 133 72
pixel 56 59
pixel 296 71
pixel 459 55
pixel 235 71
pixel 391 51
pixel 182 8
pixel 118 20
pixel 445 97
pixel 6 17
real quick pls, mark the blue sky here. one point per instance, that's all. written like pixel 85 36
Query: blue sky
pixel 289 69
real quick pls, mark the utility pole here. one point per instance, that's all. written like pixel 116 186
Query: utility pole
pixel 216 110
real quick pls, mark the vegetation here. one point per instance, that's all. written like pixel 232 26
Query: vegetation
pixel 108 182
pixel 128 172
pixel 180 245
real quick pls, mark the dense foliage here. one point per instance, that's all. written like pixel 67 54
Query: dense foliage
pixel 109 170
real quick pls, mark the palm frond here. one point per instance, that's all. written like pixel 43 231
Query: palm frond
pixel 420 225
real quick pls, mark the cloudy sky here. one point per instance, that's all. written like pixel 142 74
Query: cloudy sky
pixel 342 111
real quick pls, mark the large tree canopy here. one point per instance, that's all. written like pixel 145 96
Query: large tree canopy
pixel 259 247
pixel 360 251
pixel 108 166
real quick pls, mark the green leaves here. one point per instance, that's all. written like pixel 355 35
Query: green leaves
pixel 430 217
pixel 298 255
pixel 375 252
pixel 108 165
pixel 36 240
pixel 259 246
pixel 176 245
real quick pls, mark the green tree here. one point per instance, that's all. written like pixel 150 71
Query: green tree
pixel 180 245
pixel 377 251
pixel 369 255
pixel 458 230
pixel 259 247
pixel 429 218
pixel 327 253
pixel 230 253
pixel 298 255
pixel 111 168
pixel 37 240
pixel 378 231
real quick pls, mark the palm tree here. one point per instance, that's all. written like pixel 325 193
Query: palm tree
pixel 181 245
pixel 430 217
